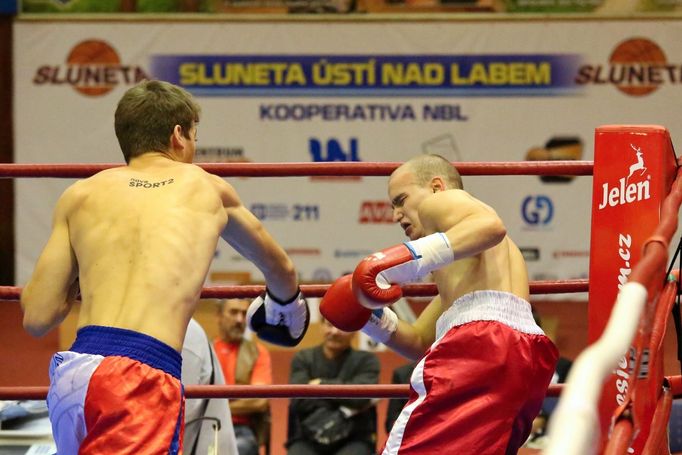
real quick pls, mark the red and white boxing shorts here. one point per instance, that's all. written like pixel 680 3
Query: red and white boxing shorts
pixel 479 386
pixel 116 391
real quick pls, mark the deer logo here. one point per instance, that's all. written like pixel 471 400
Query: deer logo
pixel 639 165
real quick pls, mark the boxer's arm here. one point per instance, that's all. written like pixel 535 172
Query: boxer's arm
pixel 412 340
pixel 247 235
pixel 470 225
pixel 52 289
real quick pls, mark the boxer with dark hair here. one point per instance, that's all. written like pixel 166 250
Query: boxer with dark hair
pixel 136 241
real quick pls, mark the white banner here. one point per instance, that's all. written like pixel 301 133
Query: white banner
pixel 303 92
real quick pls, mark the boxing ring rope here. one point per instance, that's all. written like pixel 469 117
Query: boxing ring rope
pixel 318 290
pixel 626 320
pixel 269 391
pixel 332 169
pixel 573 427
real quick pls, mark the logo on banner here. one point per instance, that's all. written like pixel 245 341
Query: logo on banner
pixel 332 150
pixel 280 211
pixel 375 212
pixel 637 67
pixel 226 154
pixel 537 210
pixel 530 253
pixel 352 75
pixel 92 68
pixel 564 148
pixel 627 191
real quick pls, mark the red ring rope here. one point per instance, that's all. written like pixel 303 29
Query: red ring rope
pixel 318 290
pixel 269 391
pixel 63 170
pixel 333 169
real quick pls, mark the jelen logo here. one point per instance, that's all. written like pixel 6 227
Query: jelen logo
pixel 639 165
pixel 625 192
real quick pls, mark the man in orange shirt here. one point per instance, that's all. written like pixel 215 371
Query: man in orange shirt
pixel 243 362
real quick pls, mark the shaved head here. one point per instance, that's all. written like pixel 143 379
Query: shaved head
pixel 426 167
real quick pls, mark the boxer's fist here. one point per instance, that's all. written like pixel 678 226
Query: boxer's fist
pixel 340 307
pixel 277 322
pixel 374 280
pixel 376 277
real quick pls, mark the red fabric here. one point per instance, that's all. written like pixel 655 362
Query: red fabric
pixel 131 408
pixel 485 383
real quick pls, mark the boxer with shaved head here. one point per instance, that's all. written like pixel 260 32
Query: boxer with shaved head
pixel 484 364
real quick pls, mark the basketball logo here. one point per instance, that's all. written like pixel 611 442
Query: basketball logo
pixel 636 66
pixel 93 68
pixel 98 59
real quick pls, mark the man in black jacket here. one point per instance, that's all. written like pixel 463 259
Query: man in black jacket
pixel 352 422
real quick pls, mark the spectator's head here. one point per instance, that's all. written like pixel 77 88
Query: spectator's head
pixel 232 319
pixel 335 341
pixel 151 115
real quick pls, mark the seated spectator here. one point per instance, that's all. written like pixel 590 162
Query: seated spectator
pixel 244 362
pixel 203 417
pixel 333 426
pixel 401 375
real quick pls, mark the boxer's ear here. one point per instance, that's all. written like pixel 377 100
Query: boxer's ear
pixel 437 184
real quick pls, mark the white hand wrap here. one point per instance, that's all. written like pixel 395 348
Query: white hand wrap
pixel 430 253
pixel 381 325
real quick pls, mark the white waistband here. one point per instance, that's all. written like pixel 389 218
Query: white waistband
pixel 499 306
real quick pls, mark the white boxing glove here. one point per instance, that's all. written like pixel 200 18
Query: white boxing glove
pixel 277 322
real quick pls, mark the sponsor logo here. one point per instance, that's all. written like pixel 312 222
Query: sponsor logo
pixel 570 254
pixel 557 148
pixel 137 183
pixel 220 155
pixel 370 74
pixel 351 253
pixel 302 251
pixel 637 67
pixel 270 211
pixel 331 151
pixel 92 68
pixel 537 210
pixel 530 253
pixel 624 244
pixel 626 365
pixel 280 211
pixel 626 192
pixel 375 212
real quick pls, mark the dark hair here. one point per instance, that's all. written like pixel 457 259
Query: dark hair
pixel 148 112
pixel 425 167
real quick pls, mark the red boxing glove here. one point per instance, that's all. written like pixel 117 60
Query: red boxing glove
pixel 370 286
pixel 375 277
pixel 340 307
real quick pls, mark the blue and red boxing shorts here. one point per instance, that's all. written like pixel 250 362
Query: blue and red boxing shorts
pixel 116 391
pixel 479 386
